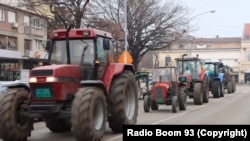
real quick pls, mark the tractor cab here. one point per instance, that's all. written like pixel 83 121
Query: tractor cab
pixel 212 68
pixel 88 48
pixel 189 66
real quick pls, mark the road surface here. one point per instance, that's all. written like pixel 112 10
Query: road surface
pixel 231 109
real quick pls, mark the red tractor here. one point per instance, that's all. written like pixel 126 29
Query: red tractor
pixel 81 89
pixel 168 88
pixel 197 80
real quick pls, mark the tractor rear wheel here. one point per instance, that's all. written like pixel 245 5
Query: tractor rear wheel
pixel 222 89
pixel 58 125
pixel 216 88
pixel 14 126
pixel 182 98
pixel 146 103
pixel 123 101
pixel 198 96
pixel 230 87
pixel 234 84
pixel 89 111
pixel 175 104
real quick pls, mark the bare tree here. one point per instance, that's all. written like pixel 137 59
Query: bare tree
pixel 152 24
pixel 65 12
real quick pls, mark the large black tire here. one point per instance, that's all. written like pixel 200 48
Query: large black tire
pixel 146 103
pixel 89 112
pixel 216 89
pixel 205 90
pixel 154 105
pixel 234 84
pixel 58 125
pixel 13 126
pixel 198 96
pixel 230 87
pixel 175 104
pixel 123 101
pixel 182 98
pixel 222 89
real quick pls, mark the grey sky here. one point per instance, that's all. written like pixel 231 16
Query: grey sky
pixel 227 21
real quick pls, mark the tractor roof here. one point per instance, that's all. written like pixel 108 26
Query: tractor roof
pixel 188 59
pixel 216 63
pixel 79 33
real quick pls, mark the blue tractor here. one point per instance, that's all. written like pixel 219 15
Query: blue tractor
pixel 217 80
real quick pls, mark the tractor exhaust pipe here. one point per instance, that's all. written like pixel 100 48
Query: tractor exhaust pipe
pixel 183 62
pixel 67 44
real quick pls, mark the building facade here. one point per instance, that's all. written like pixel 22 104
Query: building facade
pixel 23 36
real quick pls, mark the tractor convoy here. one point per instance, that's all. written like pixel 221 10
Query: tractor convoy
pixel 84 85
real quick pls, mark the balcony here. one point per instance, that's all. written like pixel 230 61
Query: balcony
pixel 34 31
pixel 38 55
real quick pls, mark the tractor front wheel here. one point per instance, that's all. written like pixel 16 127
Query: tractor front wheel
pixel 123 101
pixel 89 111
pixel 175 104
pixel 205 90
pixel 146 103
pixel 14 126
pixel 198 96
pixel 182 98
pixel 216 88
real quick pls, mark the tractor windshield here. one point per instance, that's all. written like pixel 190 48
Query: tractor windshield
pixel 81 51
pixel 163 72
pixel 190 67
pixel 210 68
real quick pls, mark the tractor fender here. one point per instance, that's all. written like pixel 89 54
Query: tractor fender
pixel 221 77
pixel 113 70
pixel 202 76
pixel 94 83
pixel 16 84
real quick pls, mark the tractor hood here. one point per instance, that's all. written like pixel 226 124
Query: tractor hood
pixel 57 71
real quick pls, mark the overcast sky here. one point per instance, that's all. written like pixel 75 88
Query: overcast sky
pixel 227 21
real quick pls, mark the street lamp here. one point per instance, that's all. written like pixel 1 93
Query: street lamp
pixel 189 43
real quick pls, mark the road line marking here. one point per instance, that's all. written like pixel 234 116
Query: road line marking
pixel 163 120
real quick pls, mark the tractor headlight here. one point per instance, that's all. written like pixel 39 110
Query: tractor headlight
pixel 33 80
pixel 51 79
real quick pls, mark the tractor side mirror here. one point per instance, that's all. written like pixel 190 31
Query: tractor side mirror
pixel 106 44
pixel 182 79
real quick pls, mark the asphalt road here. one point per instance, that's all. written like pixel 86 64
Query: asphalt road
pixel 231 109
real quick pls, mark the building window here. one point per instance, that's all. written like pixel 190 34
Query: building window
pixel 12 43
pixel 247 55
pixel 11 17
pixel 181 45
pixel 2 18
pixel 3 44
pixel 26 20
pixel 39 45
pixel 27 44
pixel 36 22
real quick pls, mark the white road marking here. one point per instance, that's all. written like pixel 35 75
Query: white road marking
pixel 166 119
